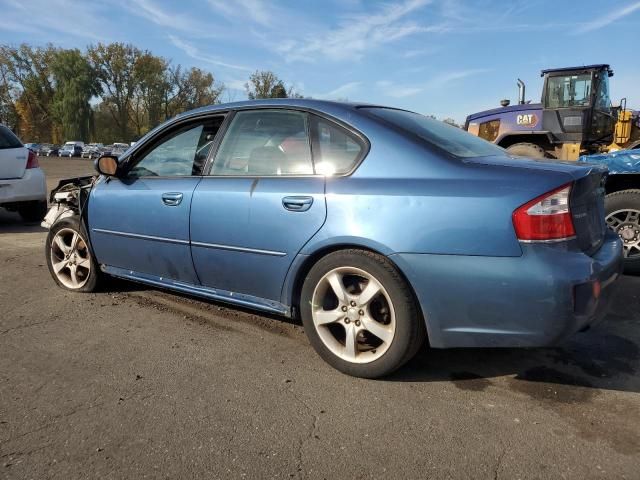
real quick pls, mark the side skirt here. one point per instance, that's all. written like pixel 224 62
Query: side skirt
pixel 240 299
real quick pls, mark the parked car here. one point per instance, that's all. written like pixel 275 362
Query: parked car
pixel 377 226
pixel 22 182
pixel 50 150
pixel 92 150
pixel 34 147
pixel 71 149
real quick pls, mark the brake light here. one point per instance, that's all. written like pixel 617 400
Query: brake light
pixel 32 160
pixel 546 218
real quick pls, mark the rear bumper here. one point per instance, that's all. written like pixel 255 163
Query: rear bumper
pixel 537 299
pixel 32 186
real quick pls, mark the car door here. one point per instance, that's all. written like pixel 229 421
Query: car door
pixel 259 204
pixel 140 220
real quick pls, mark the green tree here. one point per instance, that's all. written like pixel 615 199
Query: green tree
pixel 151 84
pixel 76 84
pixel 115 67
pixel 266 84
pixel 28 84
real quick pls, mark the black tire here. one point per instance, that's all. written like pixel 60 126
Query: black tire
pixel 530 150
pixel 33 211
pixel 95 277
pixel 625 200
pixel 410 330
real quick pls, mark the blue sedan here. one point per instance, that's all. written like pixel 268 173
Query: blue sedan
pixel 378 227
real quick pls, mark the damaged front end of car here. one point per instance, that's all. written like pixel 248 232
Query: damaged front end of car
pixel 69 198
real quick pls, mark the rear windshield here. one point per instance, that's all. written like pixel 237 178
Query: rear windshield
pixel 446 137
pixel 8 139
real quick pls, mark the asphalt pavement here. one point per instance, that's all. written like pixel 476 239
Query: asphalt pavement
pixel 133 382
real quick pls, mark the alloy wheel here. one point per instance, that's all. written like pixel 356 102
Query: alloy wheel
pixel 353 315
pixel 626 223
pixel 70 258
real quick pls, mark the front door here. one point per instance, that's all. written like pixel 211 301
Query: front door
pixel 140 221
pixel 258 206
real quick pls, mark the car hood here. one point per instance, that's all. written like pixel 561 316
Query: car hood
pixel 574 169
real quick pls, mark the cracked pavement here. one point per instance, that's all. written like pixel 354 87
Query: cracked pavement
pixel 133 382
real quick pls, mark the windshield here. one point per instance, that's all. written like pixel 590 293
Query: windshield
pixel 568 91
pixel 446 137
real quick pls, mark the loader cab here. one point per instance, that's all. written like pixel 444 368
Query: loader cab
pixel 576 105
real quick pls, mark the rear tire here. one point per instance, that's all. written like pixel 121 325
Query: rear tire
pixel 33 211
pixel 530 150
pixel 69 256
pixel 385 327
pixel 622 211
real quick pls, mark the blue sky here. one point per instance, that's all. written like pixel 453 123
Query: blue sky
pixel 442 57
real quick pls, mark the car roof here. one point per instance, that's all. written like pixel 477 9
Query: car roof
pixel 327 106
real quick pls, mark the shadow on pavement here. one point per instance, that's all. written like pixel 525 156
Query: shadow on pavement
pixel 11 222
pixel 606 356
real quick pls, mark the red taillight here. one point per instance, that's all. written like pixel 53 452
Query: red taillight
pixel 32 160
pixel 545 218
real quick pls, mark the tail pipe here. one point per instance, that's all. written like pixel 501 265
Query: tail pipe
pixel 521 92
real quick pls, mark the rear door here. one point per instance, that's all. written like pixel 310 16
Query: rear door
pixel 259 205
pixel 13 155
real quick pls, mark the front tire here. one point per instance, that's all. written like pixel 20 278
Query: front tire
pixel 360 315
pixel 622 213
pixel 69 256
pixel 529 150
pixel 33 211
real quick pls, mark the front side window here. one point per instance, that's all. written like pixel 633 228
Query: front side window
pixel 568 91
pixel 451 139
pixel 265 143
pixel 603 100
pixel 181 152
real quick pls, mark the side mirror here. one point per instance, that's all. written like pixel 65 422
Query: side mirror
pixel 107 165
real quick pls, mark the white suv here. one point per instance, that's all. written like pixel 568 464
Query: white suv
pixel 22 183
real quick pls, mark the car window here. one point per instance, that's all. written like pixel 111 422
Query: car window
pixel 8 139
pixel 336 150
pixel 180 152
pixel 451 139
pixel 265 143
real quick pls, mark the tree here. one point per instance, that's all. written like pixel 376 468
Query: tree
pixel 151 84
pixel 266 84
pixel 75 84
pixel 27 74
pixel 451 121
pixel 191 89
pixel 115 67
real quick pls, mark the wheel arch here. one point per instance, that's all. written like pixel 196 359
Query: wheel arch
pixel 622 181
pixel 542 139
pixel 292 288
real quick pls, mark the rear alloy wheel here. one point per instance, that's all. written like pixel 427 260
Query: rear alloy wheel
pixel 529 150
pixel 359 314
pixel 69 257
pixel 622 211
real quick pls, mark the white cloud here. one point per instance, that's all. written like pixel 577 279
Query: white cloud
pixel 435 83
pixel 193 52
pixel 256 10
pixel 358 34
pixel 609 19
pixel 340 92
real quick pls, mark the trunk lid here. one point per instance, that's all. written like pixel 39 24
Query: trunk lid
pixel 587 193
pixel 13 155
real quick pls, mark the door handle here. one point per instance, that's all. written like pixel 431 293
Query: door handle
pixel 297 204
pixel 172 198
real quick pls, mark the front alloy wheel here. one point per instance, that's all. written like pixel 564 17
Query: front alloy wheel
pixel 69 256
pixel 359 313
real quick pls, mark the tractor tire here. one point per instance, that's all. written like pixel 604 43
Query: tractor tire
pixel 622 212
pixel 530 150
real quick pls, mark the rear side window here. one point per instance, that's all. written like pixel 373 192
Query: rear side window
pixel 336 151
pixel 265 143
pixel 8 139
pixel 451 139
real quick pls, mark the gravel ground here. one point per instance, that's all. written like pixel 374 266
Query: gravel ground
pixel 133 382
